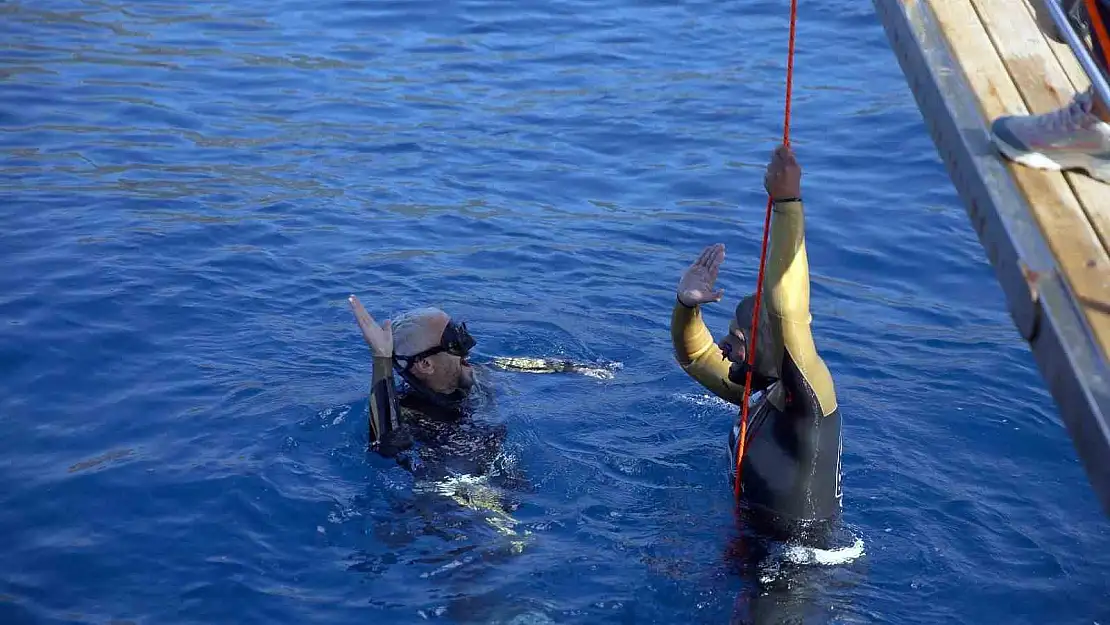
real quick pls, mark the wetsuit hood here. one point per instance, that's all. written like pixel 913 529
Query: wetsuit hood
pixel 765 372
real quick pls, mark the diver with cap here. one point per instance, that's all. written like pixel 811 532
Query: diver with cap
pixel 430 422
pixel 790 469
pixel 438 424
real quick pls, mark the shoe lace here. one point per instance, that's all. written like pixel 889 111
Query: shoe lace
pixel 1075 116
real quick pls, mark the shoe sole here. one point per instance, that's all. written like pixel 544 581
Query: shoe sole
pixel 1037 160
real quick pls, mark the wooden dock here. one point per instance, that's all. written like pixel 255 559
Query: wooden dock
pixel 1047 234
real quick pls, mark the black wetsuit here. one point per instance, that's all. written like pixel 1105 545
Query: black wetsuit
pixel 791 464
pixel 431 434
pixel 436 435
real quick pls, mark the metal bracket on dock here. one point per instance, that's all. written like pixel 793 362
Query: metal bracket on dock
pixel 1039 300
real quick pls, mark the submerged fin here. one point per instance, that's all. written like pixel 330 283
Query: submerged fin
pixel 524 364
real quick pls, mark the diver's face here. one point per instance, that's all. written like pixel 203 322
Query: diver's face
pixel 734 348
pixel 448 368
pixel 451 372
pixel 734 345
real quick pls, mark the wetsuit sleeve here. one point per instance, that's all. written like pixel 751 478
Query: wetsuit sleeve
pixel 385 414
pixel 788 303
pixel 697 353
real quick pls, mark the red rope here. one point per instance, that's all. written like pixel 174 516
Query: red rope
pixel 751 342
pixel 1100 29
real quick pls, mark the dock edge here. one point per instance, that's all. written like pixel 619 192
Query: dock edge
pixel 1039 300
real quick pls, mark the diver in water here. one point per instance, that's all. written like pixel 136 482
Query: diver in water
pixel 790 493
pixel 438 425
pixel 790 469
pixel 430 423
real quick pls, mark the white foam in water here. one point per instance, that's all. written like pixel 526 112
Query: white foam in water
pixel 342 415
pixel 437 612
pixel 706 400
pixel 601 373
pixel 454 564
pixel 800 555
pixel 451 485
pixel 335 415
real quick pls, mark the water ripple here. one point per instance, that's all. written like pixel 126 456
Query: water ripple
pixel 193 189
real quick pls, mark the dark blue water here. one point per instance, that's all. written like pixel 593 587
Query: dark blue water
pixel 190 191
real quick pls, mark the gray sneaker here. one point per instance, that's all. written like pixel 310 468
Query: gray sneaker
pixel 1071 137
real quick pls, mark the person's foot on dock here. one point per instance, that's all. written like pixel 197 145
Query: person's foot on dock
pixel 1071 137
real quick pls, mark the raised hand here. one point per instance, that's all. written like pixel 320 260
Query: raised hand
pixel 696 286
pixel 379 338
pixel 783 179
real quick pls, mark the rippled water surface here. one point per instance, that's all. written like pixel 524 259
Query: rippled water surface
pixel 191 189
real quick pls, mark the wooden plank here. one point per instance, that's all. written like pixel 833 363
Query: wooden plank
pixel 1043 308
pixel 1062 50
pixel 1093 195
pixel 1019 42
pixel 1011 70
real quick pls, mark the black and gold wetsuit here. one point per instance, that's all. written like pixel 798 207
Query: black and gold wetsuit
pixel 791 463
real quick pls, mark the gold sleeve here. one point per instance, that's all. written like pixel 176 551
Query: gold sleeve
pixel 697 353
pixel 788 302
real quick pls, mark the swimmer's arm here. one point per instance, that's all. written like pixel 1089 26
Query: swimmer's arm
pixel 697 353
pixel 385 413
pixel 549 365
pixel 788 302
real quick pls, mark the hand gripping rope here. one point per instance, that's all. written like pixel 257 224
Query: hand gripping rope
pixel 742 442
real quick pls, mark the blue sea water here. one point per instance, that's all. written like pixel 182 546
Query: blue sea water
pixel 191 190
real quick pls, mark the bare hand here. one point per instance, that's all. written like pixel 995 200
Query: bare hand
pixel 379 338
pixel 696 286
pixel 784 176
